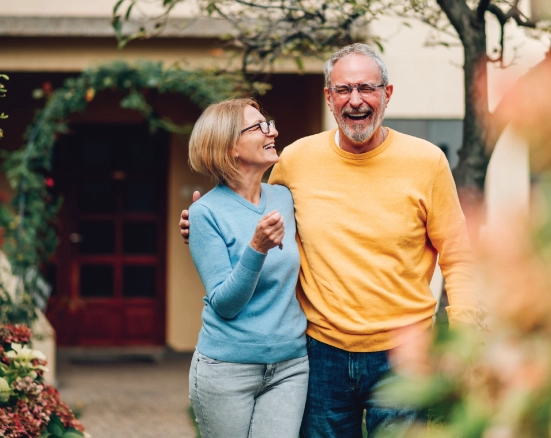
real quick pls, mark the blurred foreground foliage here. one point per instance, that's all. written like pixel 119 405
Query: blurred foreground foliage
pixel 496 383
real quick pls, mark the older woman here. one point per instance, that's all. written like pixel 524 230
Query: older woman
pixel 249 373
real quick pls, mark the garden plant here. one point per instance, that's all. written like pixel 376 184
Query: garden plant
pixel 29 407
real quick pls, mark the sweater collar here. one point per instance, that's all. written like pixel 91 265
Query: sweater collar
pixel 333 136
pixel 256 208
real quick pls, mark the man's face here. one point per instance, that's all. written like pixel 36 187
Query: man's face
pixel 358 116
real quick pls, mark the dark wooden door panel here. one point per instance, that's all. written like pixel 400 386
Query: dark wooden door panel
pixel 99 324
pixel 139 323
pixel 108 273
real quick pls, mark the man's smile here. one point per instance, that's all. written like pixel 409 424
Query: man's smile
pixel 358 115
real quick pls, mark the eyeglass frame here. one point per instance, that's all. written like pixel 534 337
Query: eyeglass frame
pixel 357 87
pixel 270 124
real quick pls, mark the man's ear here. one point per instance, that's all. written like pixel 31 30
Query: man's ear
pixel 327 92
pixel 389 89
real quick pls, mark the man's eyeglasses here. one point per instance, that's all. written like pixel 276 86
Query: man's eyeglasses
pixel 264 127
pixel 363 89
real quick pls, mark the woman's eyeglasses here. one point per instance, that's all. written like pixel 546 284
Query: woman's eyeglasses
pixel 264 127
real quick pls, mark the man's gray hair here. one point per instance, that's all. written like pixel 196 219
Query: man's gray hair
pixel 360 48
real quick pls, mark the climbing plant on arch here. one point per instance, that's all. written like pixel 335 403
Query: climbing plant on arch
pixel 28 222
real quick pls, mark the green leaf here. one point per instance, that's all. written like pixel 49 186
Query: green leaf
pixel 172 5
pixel 72 434
pixel 55 427
pixel 117 25
pixel 117 5
pixel 3 76
pixel 55 419
pixel 300 64
pixel 123 41
pixel 379 45
pixel 128 11
pixel 133 101
pixel 210 8
pixel 4 385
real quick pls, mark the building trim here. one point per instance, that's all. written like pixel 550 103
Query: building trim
pixel 100 27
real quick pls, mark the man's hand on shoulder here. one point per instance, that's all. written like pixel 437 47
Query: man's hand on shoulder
pixel 184 219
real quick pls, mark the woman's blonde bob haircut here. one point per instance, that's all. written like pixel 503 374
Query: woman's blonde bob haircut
pixel 213 139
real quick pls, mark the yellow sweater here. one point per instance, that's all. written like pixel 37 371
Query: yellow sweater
pixel 370 227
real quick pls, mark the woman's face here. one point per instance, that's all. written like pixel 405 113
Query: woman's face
pixel 255 149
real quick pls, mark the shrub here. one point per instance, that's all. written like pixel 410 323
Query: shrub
pixel 29 407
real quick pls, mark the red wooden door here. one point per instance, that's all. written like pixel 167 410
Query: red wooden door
pixel 109 272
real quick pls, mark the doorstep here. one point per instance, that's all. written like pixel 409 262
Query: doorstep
pixel 154 353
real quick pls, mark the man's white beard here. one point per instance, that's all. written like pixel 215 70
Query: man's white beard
pixel 356 134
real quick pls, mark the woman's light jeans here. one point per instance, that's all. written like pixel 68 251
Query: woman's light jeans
pixel 238 400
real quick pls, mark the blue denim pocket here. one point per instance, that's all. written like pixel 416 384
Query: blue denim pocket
pixel 310 342
pixel 207 360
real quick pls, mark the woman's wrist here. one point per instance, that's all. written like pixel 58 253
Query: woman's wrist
pixel 253 245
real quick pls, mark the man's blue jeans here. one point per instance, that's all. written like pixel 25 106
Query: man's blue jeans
pixel 341 385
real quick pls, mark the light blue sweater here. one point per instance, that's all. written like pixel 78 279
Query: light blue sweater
pixel 251 312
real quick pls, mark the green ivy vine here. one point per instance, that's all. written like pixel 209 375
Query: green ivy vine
pixel 28 221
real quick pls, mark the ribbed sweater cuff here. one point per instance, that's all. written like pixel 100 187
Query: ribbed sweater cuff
pixel 459 315
pixel 252 259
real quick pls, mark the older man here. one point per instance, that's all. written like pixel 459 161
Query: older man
pixel 374 208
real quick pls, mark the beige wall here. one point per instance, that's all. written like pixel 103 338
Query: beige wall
pixel 78 8
pixel 76 54
pixel 185 291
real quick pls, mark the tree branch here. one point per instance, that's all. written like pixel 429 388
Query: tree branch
pixel 502 18
pixel 482 8
pixel 514 13
pixel 458 13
